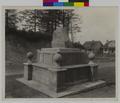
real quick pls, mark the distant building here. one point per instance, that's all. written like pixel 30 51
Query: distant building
pixel 95 46
pixel 78 45
pixel 109 48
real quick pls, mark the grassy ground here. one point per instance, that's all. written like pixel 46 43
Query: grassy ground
pixel 15 89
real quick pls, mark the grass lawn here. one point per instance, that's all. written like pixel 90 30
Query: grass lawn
pixel 15 89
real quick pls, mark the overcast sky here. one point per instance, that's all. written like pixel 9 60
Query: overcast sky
pixel 98 23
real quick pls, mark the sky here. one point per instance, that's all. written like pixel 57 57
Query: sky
pixel 97 23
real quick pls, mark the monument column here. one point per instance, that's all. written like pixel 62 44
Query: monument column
pixel 60 38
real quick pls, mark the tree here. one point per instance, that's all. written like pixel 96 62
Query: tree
pixel 46 21
pixel 10 19
pixel 29 20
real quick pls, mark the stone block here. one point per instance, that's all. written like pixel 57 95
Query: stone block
pixel 69 56
pixel 28 69
pixel 60 79
pixel 59 69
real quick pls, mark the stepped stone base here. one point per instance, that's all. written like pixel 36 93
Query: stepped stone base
pixel 60 71
pixel 73 89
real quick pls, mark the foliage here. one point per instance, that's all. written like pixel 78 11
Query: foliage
pixel 10 19
pixel 42 21
pixel 46 20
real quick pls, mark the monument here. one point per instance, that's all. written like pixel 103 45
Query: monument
pixel 59 70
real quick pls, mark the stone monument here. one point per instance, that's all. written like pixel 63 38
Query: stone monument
pixel 60 71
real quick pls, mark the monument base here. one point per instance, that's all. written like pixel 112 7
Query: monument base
pixel 73 89
pixel 61 71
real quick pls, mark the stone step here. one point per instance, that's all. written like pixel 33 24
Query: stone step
pixel 71 90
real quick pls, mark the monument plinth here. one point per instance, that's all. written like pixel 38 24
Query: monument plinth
pixel 60 71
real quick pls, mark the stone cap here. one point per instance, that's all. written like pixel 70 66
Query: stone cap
pixel 54 50
pixel 60 68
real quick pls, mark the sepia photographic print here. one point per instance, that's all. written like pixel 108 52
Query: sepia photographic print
pixel 60 53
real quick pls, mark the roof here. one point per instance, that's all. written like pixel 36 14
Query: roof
pixel 109 44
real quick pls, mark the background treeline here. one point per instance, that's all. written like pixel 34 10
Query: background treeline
pixel 39 24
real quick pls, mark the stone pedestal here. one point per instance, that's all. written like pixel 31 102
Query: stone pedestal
pixel 60 71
